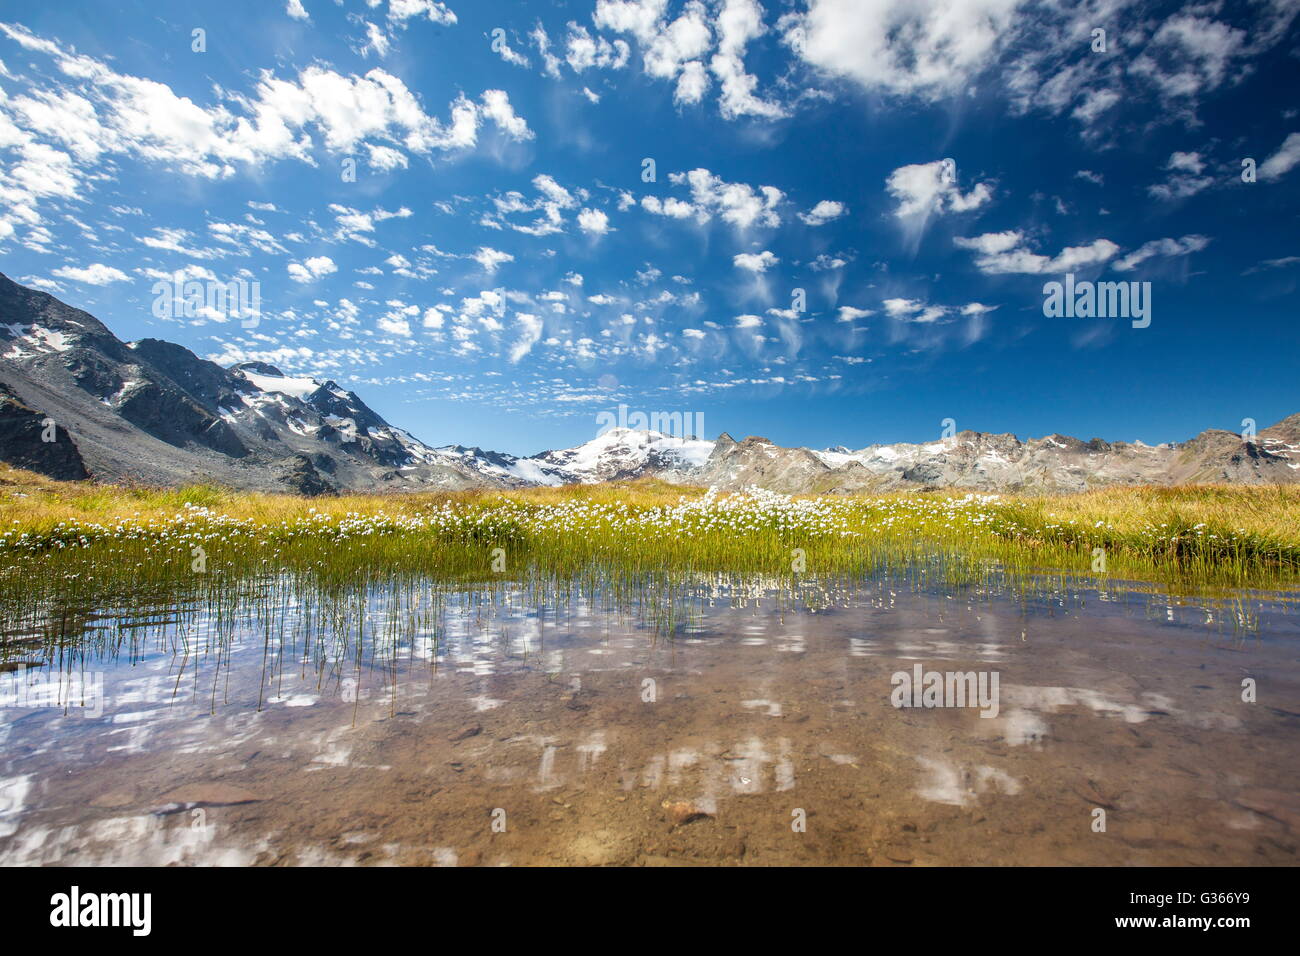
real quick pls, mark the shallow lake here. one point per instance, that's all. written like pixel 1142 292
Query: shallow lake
pixel 759 727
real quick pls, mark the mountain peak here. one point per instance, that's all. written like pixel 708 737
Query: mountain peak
pixel 258 368
pixel 158 413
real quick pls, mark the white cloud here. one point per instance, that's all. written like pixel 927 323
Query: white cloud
pixel 37 282
pixel 311 269
pixel 551 203
pixel 584 52
pixel 402 10
pixel 239 236
pixel 1186 162
pixel 641 18
pixel 190 271
pixel 737 203
pixel 1189 55
pixel 295 10
pixel 491 259
pixel 593 221
pixel 752 262
pixel 929 48
pixel 671 207
pixel 1283 161
pixel 1002 253
pixel 385 158
pixel 679 49
pixel 911 310
pixel 96 274
pixel 496 107
pixel 850 313
pixel 825 211
pixel 1186 179
pixel 692 84
pixel 925 190
pixel 1161 247
pixel 530 331
pixel 679 44
pixel 508 53
pixel 540 39
pixel 103 111
pixel 356 225
pixel 825 263
pixel 1095 103
pixel 394 323
pixel 1175 62
pixel 738 22
pixel 377 40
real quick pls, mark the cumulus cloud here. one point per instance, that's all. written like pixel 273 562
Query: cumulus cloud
pixel 396 323
pixel 309 270
pixel 925 190
pixel 825 211
pixel 755 262
pixel 1002 253
pixel 739 22
pixel 551 203
pixel 62 136
pixel 825 263
pixel 670 207
pixel 848 313
pixel 356 225
pixel 96 274
pixel 692 84
pixel 928 48
pixel 912 310
pixel 699 44
pixel 1185 177
pixel 491 259
pixel 593 221
pixel 585 52
pixel 737 203
pixel 400 11
pixel 1040 54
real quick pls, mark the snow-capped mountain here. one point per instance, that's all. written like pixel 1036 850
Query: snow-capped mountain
pixel 75 401
pixel 154 412
pixel 616 454
pixel 987 462
pixel 622 453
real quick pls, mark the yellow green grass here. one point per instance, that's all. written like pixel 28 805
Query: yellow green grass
pixel 83 536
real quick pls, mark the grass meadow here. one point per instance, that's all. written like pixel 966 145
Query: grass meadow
pixel 78 544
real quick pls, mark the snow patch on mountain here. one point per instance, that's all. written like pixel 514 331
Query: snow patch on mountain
pixel 298 388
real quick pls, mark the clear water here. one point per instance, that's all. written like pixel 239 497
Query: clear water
pixel 756 729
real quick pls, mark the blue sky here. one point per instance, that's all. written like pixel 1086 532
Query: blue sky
pixel 500 270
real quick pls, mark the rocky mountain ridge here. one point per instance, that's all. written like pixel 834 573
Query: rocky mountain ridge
pixel 77 402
